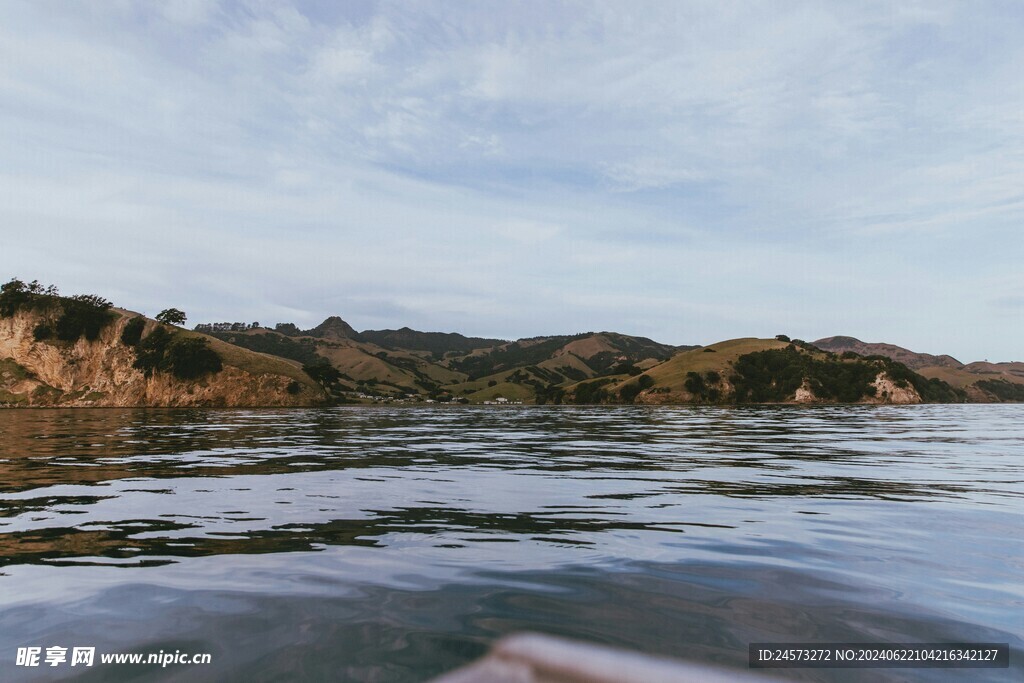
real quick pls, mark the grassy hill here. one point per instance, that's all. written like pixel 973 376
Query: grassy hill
pixel 594 367
pixel 666 381
pixel 981 381
pixel 911 359
pixel 753 370
pixel 607 367
pixel 436 344
pixel 586 354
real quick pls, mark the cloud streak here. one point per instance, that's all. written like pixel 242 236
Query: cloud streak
pixel 705 170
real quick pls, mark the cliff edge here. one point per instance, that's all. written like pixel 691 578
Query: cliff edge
pixel 40 369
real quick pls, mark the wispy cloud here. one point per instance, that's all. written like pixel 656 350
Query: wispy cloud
pixel 743 166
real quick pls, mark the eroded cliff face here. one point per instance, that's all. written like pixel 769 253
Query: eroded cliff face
pixel 888 391
pixel 100 374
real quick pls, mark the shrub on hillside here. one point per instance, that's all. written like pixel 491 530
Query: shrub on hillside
pixel 191 358
pixel 14 295
pixel 591 392
pixel 131 335
pixel 631 390
pixel 694 384
pixel 552 393
pixel 183 357
pixel 327 375
pixel 149 352
pixel 1003 390
pixel 83 316
pixel 77 316
pixel 572 373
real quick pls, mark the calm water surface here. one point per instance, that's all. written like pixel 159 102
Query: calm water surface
pixel 375 544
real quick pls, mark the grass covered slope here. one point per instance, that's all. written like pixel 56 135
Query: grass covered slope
pixel 770 371
pixel 57 350
pixel 981 381
pixel 670 377
pixel 912 359
pixel 436 344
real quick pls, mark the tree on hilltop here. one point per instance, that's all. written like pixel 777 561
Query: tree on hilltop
pixel 171 316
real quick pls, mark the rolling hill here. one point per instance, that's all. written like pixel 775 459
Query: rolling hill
pixel 753 370
pixel 608 367
pixel 436 344
pixel 909 358
pixel 78 351
pixel 983 382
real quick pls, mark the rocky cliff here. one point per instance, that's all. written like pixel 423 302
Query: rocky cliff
pixel 101 373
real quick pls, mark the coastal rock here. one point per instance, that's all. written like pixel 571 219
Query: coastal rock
pixel 100 373
pixel 888 391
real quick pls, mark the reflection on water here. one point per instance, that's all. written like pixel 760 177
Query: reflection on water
pixel 375 544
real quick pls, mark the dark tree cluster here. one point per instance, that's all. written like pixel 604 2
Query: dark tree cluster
pixel 328 376
pixel 172 316
pixel 17 295
pixel 131 335
pixel 704 387
pixel 775 375
pixel 65 318
pixel 630 391
pixel 1003 390
pixel 550 393
pixel 301 350
pixel 184 357
pixel 592 392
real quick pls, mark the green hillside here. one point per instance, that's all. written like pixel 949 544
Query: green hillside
pixel 769 371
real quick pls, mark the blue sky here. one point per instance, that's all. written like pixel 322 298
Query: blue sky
pixel 688 171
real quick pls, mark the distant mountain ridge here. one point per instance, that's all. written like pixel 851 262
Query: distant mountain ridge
pixel 436 343
pixel 79 351
pixel 911 359
pixel 598 367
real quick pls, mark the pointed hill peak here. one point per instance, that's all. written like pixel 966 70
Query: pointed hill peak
pixel 333 328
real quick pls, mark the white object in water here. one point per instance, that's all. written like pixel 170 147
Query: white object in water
pixel 534 658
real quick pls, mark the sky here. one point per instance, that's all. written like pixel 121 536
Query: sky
pixel 686 171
